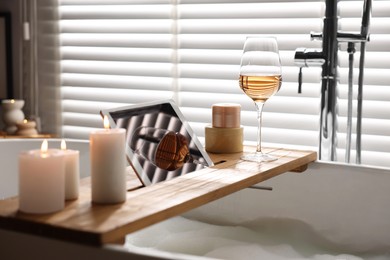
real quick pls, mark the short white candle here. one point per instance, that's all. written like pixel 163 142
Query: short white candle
pixel 41 180
pixel 108 165
pixel 72 172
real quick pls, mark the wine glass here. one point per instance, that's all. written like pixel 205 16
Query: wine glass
pixel 166 149
pixel 260 78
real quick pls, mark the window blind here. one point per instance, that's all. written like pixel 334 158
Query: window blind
pixel 122 52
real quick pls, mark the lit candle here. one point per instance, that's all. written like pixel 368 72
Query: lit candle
pixel 72 172
pixel 41 180
pixel 108 165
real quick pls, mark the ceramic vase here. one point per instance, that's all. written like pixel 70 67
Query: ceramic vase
pixel 12 114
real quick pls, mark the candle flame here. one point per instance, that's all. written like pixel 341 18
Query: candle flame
pixel 63 144
pixel 12 101
pixel 106 123
pixel 25 121
pixel 44 146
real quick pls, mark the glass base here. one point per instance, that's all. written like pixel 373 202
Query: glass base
pixel 258 157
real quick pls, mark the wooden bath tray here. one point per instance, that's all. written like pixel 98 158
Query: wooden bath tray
pixel 84 222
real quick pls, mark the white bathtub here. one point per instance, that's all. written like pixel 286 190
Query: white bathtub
pixel 347 207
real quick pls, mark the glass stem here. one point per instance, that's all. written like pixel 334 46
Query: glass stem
pixel 259 107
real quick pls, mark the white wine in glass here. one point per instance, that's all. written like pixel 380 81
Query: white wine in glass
pixel 260 78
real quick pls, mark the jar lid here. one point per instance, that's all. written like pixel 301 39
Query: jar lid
pixel 226 115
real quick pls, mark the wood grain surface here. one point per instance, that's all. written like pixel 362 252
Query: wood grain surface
pixel 84 222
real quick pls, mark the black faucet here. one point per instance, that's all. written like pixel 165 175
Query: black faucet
pixel 327 59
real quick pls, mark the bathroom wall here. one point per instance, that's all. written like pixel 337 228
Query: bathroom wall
pixel 36 73
pixel 48 66
pixel 13 6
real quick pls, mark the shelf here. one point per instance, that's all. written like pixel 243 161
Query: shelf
pixel 84 222
pixel 4 135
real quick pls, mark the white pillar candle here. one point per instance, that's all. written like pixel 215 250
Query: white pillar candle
pixel 41 180
pixel 108 165
pixel 72 172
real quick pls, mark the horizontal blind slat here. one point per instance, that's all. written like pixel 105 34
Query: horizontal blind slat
pixel 84 12
pixel 354 8
pixel 111 2
pixel 115 81
pixel 379 25
pixel 116 26
pixel 117 68
pixel 117 54
pixel 239 1
pixel 151 40
pixel 250 26
pixel 82 120
pixel 255 10
pixel 286 41
pixel 89 107
pixel 130 96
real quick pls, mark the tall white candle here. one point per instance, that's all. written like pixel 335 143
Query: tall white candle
pixel 108 165
pixel 72 172
pixel 41 180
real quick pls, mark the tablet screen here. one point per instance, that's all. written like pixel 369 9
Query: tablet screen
pixel 160 145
